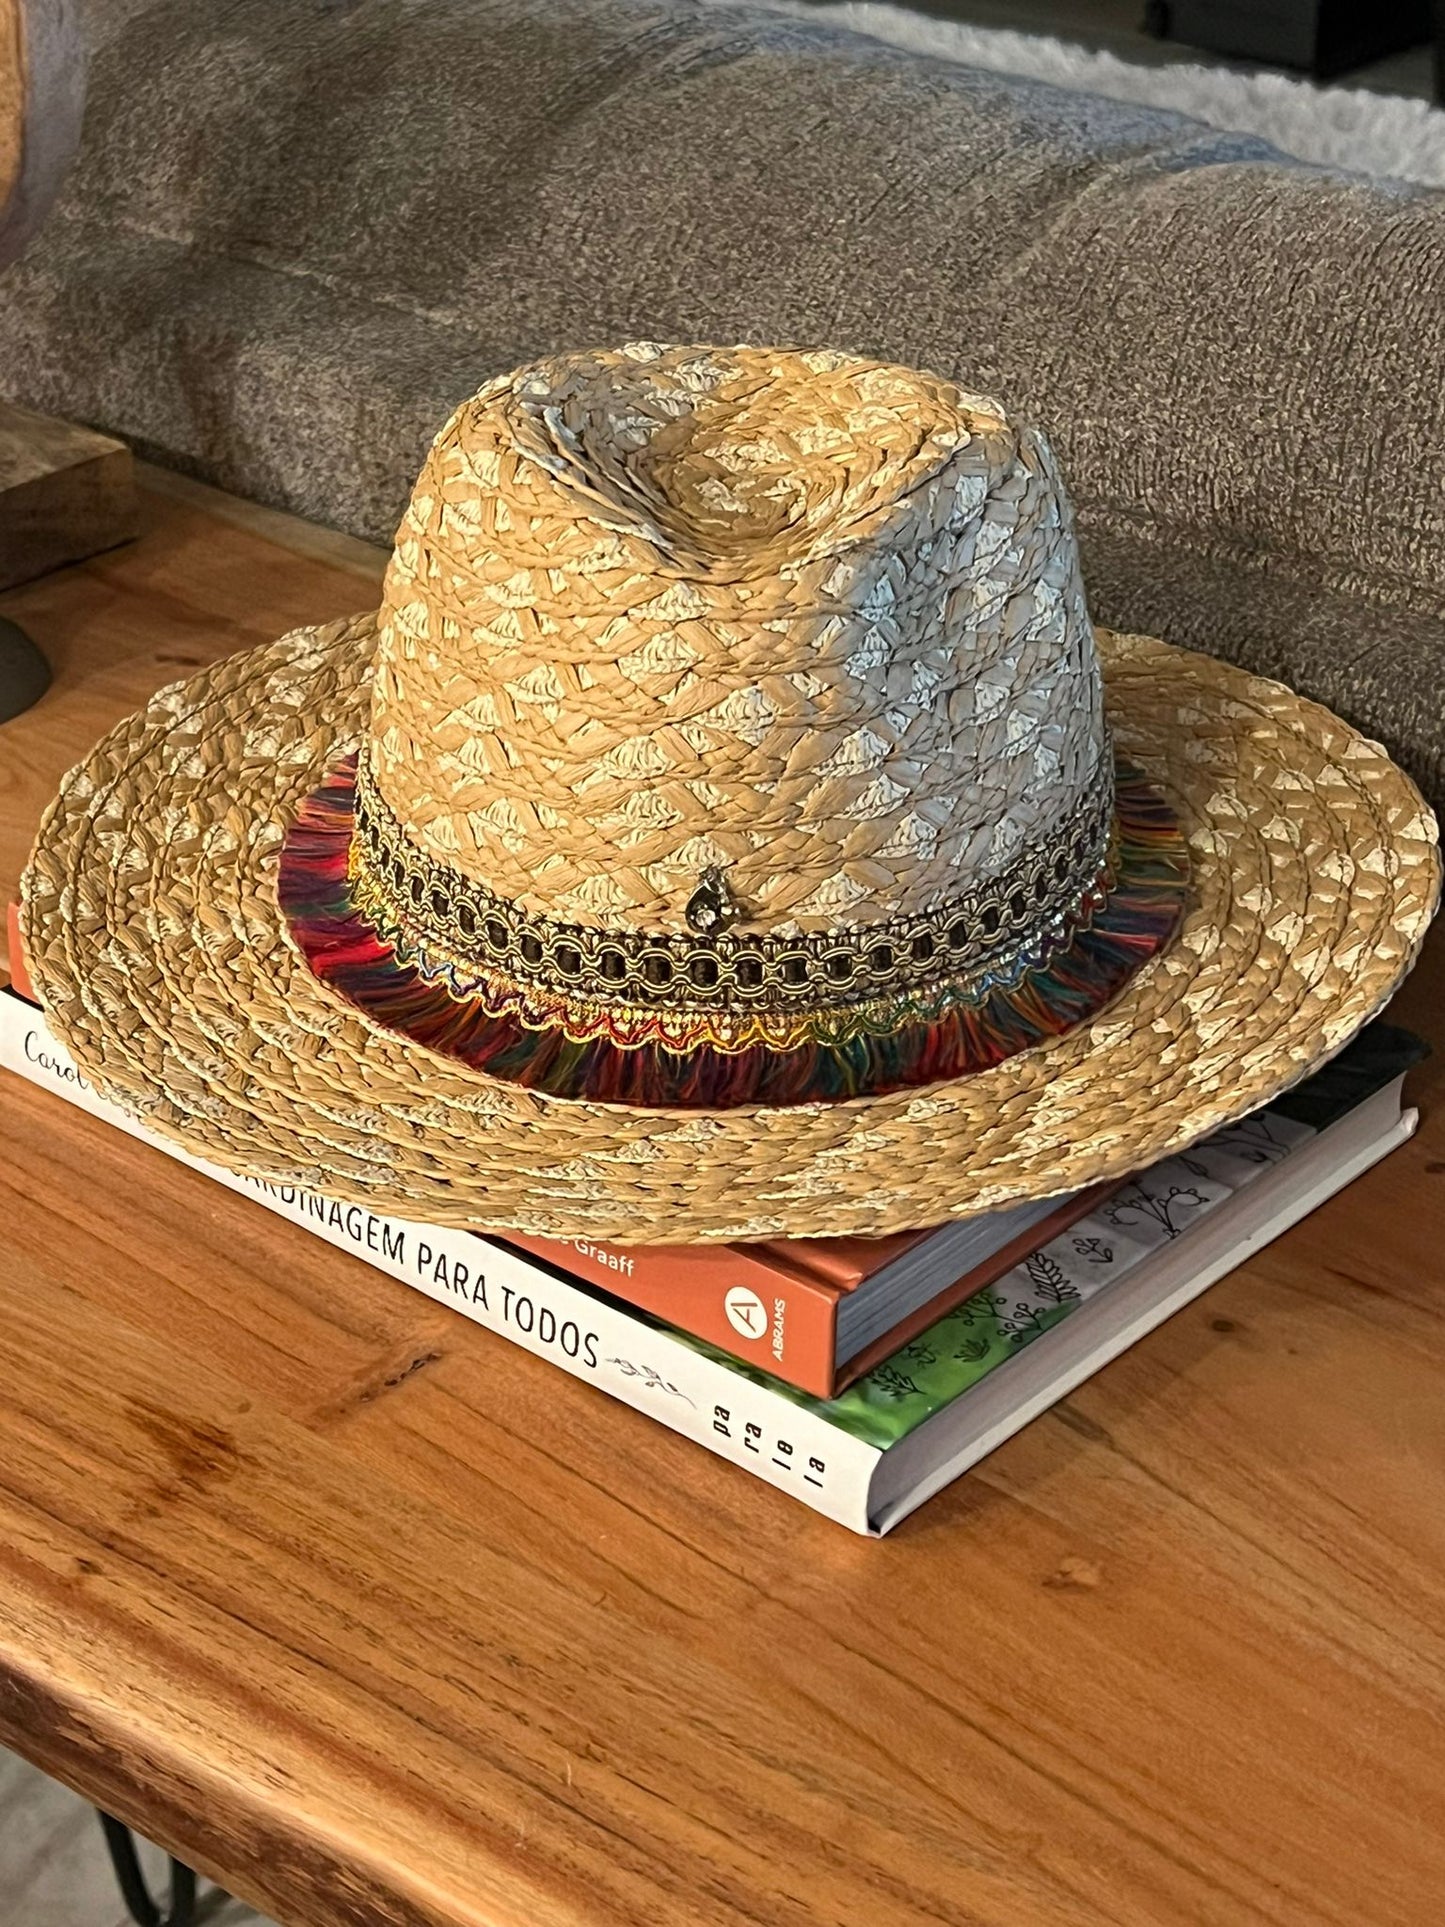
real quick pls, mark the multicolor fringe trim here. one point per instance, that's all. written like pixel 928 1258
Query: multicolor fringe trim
pixel 528 1037
pixel 626 1025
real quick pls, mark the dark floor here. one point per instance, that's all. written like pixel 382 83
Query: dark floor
pixel 1117 27
pixel 53 1866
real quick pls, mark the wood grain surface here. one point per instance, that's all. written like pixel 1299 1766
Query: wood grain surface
pixel 378 1620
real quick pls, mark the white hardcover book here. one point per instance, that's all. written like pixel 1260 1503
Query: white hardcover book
pixel 1153 1268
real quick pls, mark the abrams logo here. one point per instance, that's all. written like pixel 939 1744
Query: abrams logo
pixel 748 1316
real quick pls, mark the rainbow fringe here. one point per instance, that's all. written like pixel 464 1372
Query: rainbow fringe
pixel 968 1029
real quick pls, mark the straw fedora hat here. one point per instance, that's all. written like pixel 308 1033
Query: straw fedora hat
pixel 730 825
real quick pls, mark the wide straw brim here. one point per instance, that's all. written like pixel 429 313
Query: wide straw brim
pixel 153 935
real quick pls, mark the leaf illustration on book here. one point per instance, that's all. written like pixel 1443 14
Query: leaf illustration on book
pixel 1048 1278
pixel 1024 1322
pixel 920 1353
pixel 651 1378
pixel 894 1383
pixel 1171 1210
pixel 1254 1139
pixel 978 1310
pixel 971 1351
pixel 1095 1250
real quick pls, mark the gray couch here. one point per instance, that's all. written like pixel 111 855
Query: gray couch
pixel 300 230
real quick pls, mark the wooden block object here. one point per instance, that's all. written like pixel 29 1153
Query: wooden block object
pixel 65 493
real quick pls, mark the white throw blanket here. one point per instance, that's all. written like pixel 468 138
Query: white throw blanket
pixel 1343 127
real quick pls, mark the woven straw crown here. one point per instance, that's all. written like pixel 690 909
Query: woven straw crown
pixel 808 620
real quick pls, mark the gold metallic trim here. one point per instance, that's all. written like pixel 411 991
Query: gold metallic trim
pixel 733 969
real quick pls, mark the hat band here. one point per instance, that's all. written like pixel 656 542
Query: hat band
pixel 463 931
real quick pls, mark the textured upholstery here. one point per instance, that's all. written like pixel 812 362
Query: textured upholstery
pixel 301 230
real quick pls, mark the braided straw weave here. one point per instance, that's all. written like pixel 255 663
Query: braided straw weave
pixel 812 620
pixel 152 930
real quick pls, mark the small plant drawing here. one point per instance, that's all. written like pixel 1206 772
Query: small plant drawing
pixel 1048 1278
pixel 1024 1322
pixel 921 1354
pixel 971 1351
pixel 1094 1250
pixel 896 1384
pixel 1253 1139
pixel 981 1309
pixel 1170 1211
pixel 651 1378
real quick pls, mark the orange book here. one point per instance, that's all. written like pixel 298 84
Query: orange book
pixel 816 1312
pixel 19 975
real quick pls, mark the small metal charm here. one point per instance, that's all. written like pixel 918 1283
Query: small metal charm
pixel 710 908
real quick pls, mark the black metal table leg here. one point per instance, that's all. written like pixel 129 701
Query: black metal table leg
pixel 181 1908
pixel 24 672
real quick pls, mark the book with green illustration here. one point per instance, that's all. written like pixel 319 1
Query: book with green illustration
pixel 1148 1213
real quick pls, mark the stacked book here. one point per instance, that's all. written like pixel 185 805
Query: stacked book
pixel 862 1375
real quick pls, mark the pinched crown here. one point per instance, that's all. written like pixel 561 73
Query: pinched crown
pixel 792 639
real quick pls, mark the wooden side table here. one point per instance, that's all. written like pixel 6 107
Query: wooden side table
pixel 377 1620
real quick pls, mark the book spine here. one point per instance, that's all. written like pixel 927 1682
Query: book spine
pixel 650 1370
pixel 758 1312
